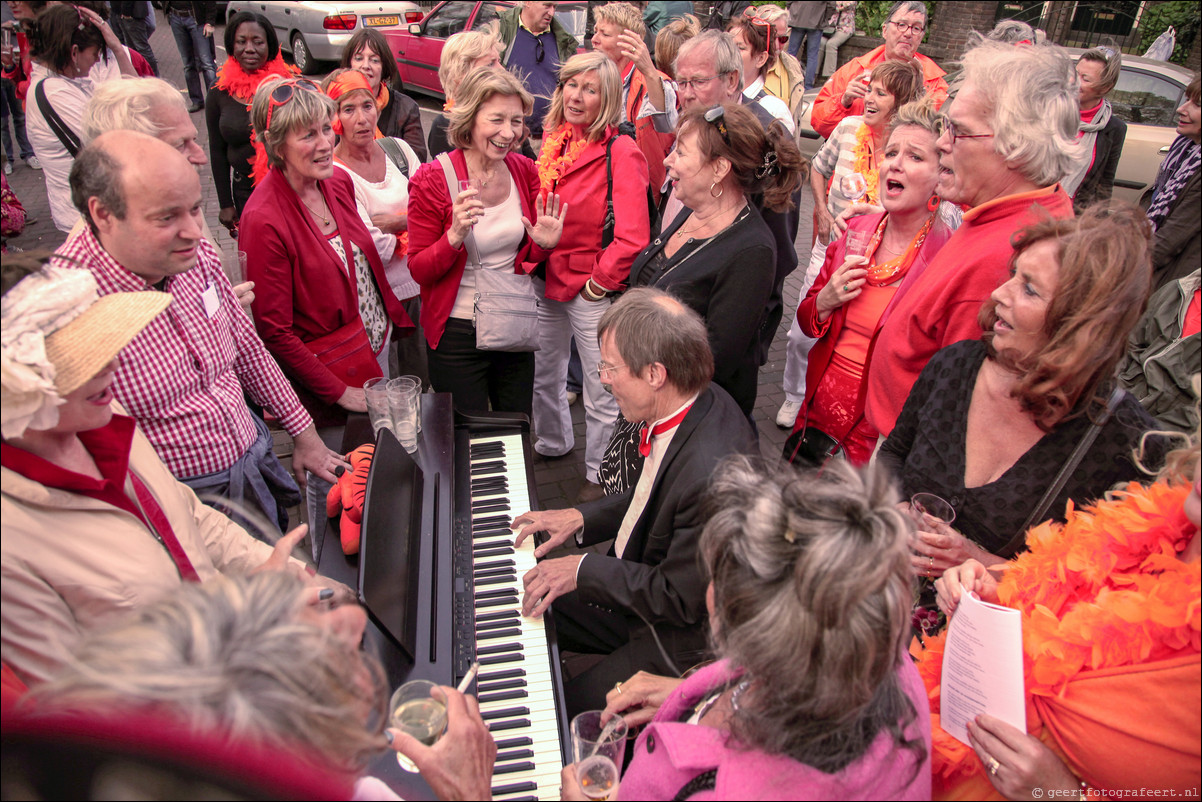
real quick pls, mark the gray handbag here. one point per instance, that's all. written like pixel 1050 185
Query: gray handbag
pixel 506 305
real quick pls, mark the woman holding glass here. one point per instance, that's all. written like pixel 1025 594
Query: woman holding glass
pixel 990 423
pixel 583 271
pixel 845 170
pixel 497 201
pixel 832 710
pixel 872 263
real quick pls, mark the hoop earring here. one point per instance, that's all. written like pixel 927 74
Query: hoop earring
pixel 933 203
pixel 720 190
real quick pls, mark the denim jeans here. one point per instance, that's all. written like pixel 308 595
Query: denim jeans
pixel 137 37
pixel 813 45
pixel 10 105
pixel 196 54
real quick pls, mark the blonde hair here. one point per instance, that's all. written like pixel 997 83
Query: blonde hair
pixel 624 15
pixel 130 105
pixel 461 50
pixel 480 86
pixel 303 109
pixel 610 112
pixel 670 38
pixel 770 13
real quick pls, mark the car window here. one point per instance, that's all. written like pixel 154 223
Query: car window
pixel 573 19
pixel 448 20
pixel 487 13
pixel 1145 99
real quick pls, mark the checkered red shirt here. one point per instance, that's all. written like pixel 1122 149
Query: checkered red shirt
pixel 182 378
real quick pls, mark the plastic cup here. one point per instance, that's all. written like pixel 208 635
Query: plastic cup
pixel 415 711
pixel 376 393
pixel 402 405
pixel 590 740
pixel 417 382
pixel 932 505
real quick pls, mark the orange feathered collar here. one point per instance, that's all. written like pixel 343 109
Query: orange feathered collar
pixel 239 84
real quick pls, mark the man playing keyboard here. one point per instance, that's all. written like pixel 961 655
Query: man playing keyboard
pixel 656 360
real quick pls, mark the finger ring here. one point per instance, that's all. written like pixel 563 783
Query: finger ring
pixel 618 687
pixel 845 288
pixel 994 765
pixel 932 559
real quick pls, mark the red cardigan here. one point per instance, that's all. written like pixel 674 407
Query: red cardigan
pixel 303 291
pixel 827 331
pixel 942 305
pixel 435 264
pixel 579 255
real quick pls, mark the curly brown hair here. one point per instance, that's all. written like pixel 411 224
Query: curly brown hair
pixel 1102 290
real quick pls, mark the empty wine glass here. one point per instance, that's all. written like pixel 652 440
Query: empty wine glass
pixel 853 187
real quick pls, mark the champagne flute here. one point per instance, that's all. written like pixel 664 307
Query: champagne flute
pixel 598 777
pixel 416 712
pixel 597 751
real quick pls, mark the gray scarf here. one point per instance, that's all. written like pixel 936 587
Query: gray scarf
pixel 1088 140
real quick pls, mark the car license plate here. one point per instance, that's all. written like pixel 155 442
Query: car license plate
pixel 380 21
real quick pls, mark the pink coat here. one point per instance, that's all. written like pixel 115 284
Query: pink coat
pixel 669 754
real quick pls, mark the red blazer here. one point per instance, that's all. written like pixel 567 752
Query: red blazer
pixel 827 331
pixel 579 255
pixel 435 264
pixel 302 289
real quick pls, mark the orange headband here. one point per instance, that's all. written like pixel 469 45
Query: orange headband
pixel 347 82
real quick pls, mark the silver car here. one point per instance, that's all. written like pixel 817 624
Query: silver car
pixel 1146 98
pixel 317 32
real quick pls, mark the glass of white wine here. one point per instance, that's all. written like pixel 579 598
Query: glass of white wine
pixel 416 711
pixel 597 751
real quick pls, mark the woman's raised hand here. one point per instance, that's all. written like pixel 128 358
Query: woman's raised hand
pixel 845 284
pixel 466 210
pixel 110 38
pixel 548 222
pixel 970 576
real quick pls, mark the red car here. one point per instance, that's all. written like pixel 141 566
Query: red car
pixel 419 49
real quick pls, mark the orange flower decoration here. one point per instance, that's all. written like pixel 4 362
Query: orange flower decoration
pixel 551 165
pixel 864 163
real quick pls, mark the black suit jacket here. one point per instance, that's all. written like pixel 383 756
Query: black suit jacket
pixel 659 577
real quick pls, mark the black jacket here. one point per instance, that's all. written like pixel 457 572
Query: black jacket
pixel 1098 183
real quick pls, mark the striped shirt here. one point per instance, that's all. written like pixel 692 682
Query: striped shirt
pixel 182 378
pixel 837 158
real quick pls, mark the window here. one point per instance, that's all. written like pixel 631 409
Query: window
pixel 487 13
pixel 1142 98
pixel 448 20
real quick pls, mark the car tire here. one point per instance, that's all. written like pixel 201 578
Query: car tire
pixel 301 56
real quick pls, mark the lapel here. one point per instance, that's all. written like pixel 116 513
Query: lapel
pixel 594 151
pixel 688 428
pixel 288 196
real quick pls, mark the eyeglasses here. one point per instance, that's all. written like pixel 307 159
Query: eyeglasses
pixel 604 370
pixel 902 27
pixel 1107 52
pixel 716 117
pixel 285 91
pixel 945 124
pixel 698 83
pixel 783 40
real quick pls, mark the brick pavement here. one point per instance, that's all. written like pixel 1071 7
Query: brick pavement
pixel 558 480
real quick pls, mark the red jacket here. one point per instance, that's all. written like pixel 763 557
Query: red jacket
pixel 828 109
pixel 579 255
pixel 435 264
pixel 303 290
pixel 827 331
pixel 654 146
pixel 942 305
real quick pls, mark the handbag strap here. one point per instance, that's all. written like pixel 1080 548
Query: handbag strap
pixel 607 228
pixel 1070 465
pixel 705 781
pixel 61 130
pixel 392 149
pixel 448 171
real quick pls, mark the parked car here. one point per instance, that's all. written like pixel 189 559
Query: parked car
pixel 316 32
pixel 419 48
pixel 1146 98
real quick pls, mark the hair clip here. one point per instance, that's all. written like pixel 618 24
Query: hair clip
pixel 790 536
pixel 770 166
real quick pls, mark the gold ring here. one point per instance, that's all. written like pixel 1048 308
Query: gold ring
pixel 994 765
pixel 618 687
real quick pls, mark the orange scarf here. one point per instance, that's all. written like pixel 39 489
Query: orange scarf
pixel 553 162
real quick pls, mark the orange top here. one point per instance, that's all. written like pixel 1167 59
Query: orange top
pixel 862 315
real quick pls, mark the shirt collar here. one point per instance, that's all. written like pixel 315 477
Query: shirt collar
pixel 109 446
pixel 108 271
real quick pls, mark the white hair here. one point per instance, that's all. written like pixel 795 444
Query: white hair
pixel 128 105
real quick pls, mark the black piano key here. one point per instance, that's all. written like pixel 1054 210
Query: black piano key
pixel 490 522
pixel 511 578
pixel 489 487
pixel 501 571
pixel 505 623
pixel 497 615
pixel 496 659
pixel 514 754
pixel 500 531
pixel 511 768
pixel 492 552
pixel 493 564
pixel 497 505
pixel 486 687
pixel 513 743
pixel 503 673
pixel 514 788
pixel 501 696
pixel 511 724
pixel 495 602
pixel 485 468
pixel 479 504
pixel 499 648
pixel 483 448
pixel 490 634
pixel 492 544
pixel 507 712
pixel 496 593
pixel 522 799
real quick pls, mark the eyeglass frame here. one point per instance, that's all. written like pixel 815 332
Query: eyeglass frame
pixel 540 50
pixel 903 27
pixel 603 368
pixel 274 102
pixel 945 124
pixel 697 83
pixel 716 116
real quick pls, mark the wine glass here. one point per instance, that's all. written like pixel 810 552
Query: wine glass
pixel 853 187
pixel 932 505
pixel 597 751
pixel 415 711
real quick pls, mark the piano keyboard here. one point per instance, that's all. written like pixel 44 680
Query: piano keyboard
pixel 514 685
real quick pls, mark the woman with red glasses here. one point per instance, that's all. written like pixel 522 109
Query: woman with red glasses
pixel 756 40
pixel 783 77
pixel 324 306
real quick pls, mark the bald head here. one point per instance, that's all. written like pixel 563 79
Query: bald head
pixel 650 326
pixel 142 200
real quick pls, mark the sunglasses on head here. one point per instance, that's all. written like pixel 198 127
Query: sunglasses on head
pixel 285 91
pixel 716 116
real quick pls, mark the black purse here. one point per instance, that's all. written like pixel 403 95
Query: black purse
pixel 810 447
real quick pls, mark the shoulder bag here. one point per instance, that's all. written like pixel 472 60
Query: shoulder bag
pixel 506 304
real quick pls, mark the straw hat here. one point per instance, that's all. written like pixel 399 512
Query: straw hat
pixel 84 346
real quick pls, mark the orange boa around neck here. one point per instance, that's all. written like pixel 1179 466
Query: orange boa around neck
pixel 553 162
pixel 239 84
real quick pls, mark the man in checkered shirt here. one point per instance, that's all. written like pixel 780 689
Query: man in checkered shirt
pixel 184 376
